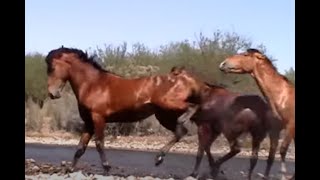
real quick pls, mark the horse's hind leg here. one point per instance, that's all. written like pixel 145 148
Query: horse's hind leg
pixel 99 125
pixel 274 141
pixel 234 150
pixel 256 141
pixel 206 137
pixel 177 136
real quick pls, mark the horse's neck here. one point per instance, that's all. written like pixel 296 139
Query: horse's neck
pixel 82 77
pixel 269 80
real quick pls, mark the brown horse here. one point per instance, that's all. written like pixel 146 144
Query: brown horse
pixel 277 89
pixel 105 97
pixel 232 114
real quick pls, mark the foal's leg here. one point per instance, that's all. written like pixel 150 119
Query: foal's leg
pixel 274 141
pixel 177 136
pixel 99 125
pixel 290 134
pixel 206 137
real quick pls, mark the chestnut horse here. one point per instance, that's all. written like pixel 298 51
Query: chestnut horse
pixel 104 97
pixel 233 114
pixel 277 89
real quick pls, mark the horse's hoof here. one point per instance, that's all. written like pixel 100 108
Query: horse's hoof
pixel 215 171
pixel 106 168
pixel 159 160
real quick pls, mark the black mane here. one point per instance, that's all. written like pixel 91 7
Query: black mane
pixel 83 56
pixel 252 50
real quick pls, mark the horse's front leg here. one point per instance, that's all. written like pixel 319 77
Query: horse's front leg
pixel 82 146
pixel 99 125
pixel 86 135
pixel 177 136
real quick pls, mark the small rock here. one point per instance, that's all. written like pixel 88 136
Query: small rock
pixel 131 178
pixel 260 175
pixel 32 161
pixel 66 176
pixel 55 176
pixel 148 178
pixel 63 163
pixel 35 168
pixel 242 173
pixel 77 175
pixel 190 178
pixel 105 178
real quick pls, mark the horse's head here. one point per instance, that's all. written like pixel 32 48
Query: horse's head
pixel 57 71
pixel 243 62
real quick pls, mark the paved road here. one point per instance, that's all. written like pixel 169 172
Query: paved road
pixel 139 163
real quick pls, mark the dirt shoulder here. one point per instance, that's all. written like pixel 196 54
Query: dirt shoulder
pixel 188 144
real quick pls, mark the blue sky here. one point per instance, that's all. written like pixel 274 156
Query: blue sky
pixel 88 24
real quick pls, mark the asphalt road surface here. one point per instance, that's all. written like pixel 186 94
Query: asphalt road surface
pixel 140 163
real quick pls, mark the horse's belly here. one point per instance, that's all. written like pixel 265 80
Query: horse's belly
pixel 131 115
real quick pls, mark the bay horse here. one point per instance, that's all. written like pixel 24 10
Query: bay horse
pixel 232 114
pixel 104 97
pixel 277 89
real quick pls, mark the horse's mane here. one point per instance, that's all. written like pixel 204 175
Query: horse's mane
pixel 82 56
pixel 267 60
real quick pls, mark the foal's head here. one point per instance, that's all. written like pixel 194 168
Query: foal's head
pixel 243 63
